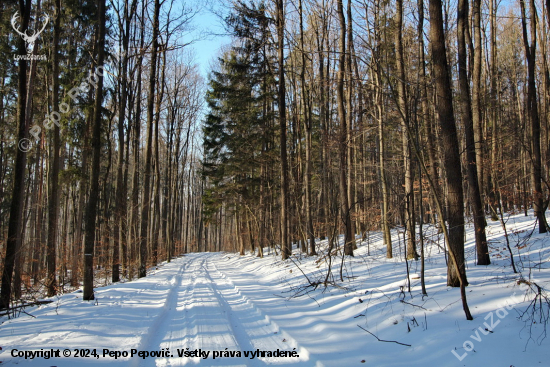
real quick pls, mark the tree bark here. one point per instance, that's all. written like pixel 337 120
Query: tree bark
pixel 533 113
pixel 120 207
pixel 379 108
pixel 466 109
pixel 456 275
pixel 476 92
pixel 404 113
pixel 18 189
pixel 53 200
pixel 136 240
pixel 285 244
pixel 145 205
pixel 343 136
pixel 91 209
pixel 308 135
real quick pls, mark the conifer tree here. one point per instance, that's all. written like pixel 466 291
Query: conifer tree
pixel 238 124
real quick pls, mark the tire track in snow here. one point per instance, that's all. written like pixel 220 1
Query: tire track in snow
pixel 205 310
pixel 187 327
pixel 263 333
pixel 243 341
pixel 148 340
pixel 196 322
pixel 177 327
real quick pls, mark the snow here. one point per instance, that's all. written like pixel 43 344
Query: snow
pixel 222 303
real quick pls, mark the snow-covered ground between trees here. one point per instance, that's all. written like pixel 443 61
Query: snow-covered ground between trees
pixel 207 305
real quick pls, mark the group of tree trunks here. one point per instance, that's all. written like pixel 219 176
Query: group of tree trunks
pixel 323 118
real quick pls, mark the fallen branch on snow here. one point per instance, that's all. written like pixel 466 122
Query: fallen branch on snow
pixel 385 341
pixel 12 309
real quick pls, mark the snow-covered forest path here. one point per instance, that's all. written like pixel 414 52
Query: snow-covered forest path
pixel 188 312
pixel 222 309
pixel 205 311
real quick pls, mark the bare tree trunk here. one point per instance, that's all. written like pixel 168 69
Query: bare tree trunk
pixel 18 198
pixel 533 113
pixel 53 201
pixel 429 133
pixel 19 253
pixel 105 224
pixel 323 195
pixel 77 245
pixel 456 275
pixel 466 109
pixel 168 190
pixel 350 156
pixel 156 229
pixel 476 93
pixel 285 207
pixel 148 154
pixel 120 194
pixel 136 140
pixel 308 135
pixel 88 292
pixel 342 147
pixel 490 173
pixel 36 216
pixel 188 220
pixel 404 113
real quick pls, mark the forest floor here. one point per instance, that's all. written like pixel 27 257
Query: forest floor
pixel 222 309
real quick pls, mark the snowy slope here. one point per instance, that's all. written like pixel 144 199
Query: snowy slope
pixel 220 305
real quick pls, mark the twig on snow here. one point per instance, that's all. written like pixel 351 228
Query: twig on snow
pixel 385 341
pixel 413 305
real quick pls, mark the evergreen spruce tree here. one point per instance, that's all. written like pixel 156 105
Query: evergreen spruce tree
pixel 238 126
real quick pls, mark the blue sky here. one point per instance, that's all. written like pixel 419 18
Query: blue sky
pixel 209 26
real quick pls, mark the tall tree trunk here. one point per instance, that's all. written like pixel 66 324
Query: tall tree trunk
pixel 285 244
pixel 476 93
pixel 454 235
pixel 136 240
pixel 156 192
pixel 91 209
pixel 350 156
pixel 404 113
pixel 82 190
pixel 22 227
pixel 53 201
pixel 429 133
pixel 168 189
pixel 533 113
pixel 36 216
pixel 456 275
pixel 466 109
pixel 343 135
pixel 120 194
pixel 308 135
pixel 379 113
pixel 323 195
pixel 18 199
pixel 490 173
pixel 385 218
pixel 148 154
